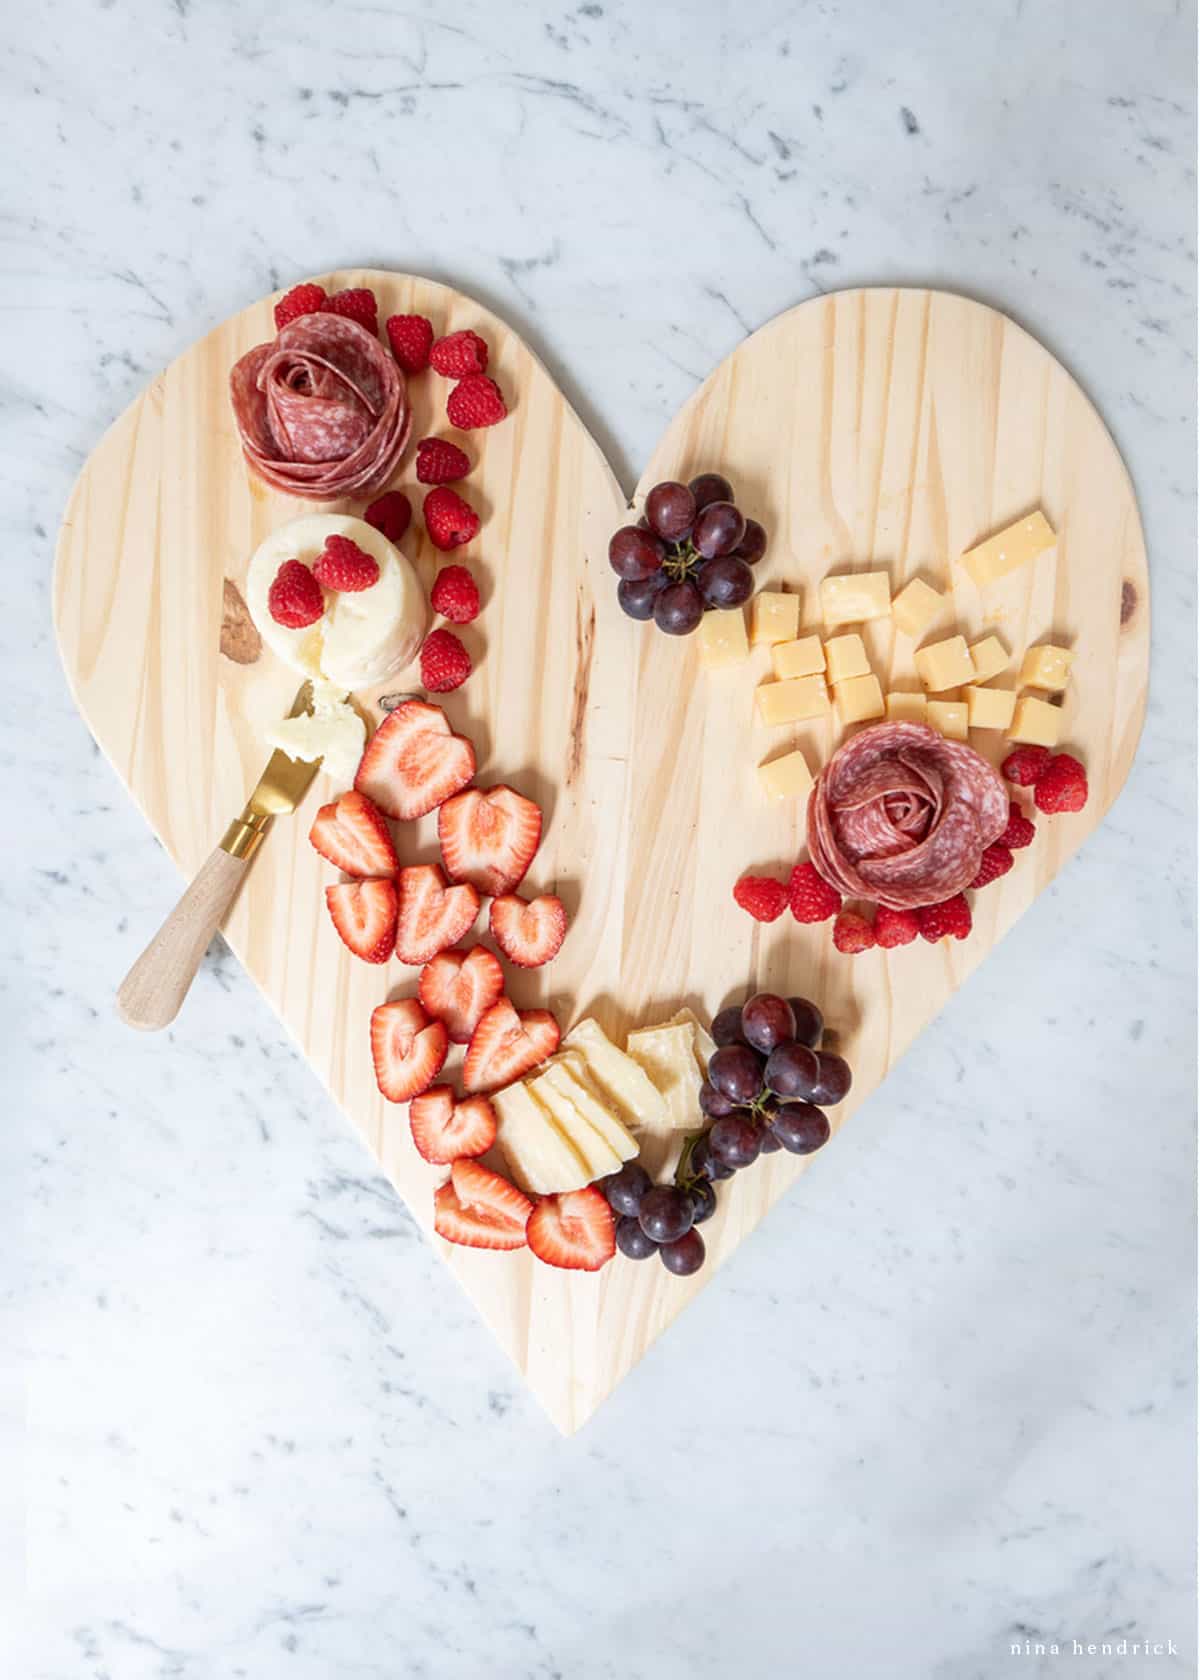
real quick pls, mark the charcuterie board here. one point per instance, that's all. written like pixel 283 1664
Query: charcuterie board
pixel 871 429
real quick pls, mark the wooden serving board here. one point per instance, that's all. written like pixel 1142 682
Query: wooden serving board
pixel 865 429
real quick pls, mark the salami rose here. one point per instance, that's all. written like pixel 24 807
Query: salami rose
pixel 901 816
pixel 323 412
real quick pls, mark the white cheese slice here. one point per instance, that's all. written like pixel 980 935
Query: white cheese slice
pixel 620 1079
pixel 705 1045
pixel 539 1156
pixel 332 731
pixel 669 1057
pixel 567 1072
pixel 600 1156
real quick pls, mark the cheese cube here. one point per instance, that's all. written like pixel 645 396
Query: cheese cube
pixel 988 658
pixel 944 665
pixel 1009 549
pixel 788 777
pixel 1047 667
pixel 990 708
pixel 721 637
pixel 906 708
pixel 774 616
pixel 792 701
pixel 845 657
pixel 1037 722
pixel 855 598
pixel 949 717
pixel 858 698
pixel 802 658
pixel 917 607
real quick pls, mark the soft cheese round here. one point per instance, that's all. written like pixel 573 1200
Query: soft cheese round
pixel 364 635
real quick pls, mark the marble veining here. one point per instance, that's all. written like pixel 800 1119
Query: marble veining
pixel 941 1404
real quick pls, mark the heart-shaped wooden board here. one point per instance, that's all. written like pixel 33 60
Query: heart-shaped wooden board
pixel 883 428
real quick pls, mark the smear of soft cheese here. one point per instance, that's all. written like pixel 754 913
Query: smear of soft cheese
pixel 365 635
pixel 332 732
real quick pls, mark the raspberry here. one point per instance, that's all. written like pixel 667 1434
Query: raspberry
pixel 295 597
pixel 811 898
pixel 1025 765
pixel 343 565
pixel 449 520
pixel 853 933
pixel 455 595
pixel 475 401
pixel 1062 785
pixel 997 860
pixel 390 514
pixel 895 927
pixel 1020 830
pixel 410 337
pixel 445 662
pixel 357 304
pixel 950 918
pixel 441 462
pixel 301 300
pixel 761 897
pixel 459 354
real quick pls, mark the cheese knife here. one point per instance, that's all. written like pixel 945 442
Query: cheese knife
pixel 152 992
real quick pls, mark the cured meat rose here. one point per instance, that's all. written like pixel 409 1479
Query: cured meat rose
pixel 323 412
pixel 902 816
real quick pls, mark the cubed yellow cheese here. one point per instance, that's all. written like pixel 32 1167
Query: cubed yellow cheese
pixel 792 701
pixel 858 698
pixel 1037 722
pixel 1047 667
pixel 988 658
pixel 948 717
pixel 906 708
pixel 917 607
pixel 845 657
pixel 1009 549
pixel 804 657
pixel 774 616
pixel 786 778
pixel 721 637
pixel 990 708
pixel 855 598
pixel 944 665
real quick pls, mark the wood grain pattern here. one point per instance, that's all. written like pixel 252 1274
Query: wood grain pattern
pixel 866 428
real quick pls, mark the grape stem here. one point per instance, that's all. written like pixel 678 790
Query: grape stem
pixel 681 561
pixel 684 1176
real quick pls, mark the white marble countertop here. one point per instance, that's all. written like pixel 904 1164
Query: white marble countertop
pixel 941 1403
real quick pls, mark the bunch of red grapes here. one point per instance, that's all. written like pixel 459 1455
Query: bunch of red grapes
pixel 768 1083
pixel 690 552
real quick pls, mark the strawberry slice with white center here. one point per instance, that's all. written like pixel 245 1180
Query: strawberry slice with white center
pixel 352 834
pixel 444 1130
pixel 505 1045
pixel 457 986
pixel 480 1209
pixel 364 913
pixel 414 761
pixel 528 932
pixel 488 837
pixel 574 1229
pixel 433 915
pixel 408 1049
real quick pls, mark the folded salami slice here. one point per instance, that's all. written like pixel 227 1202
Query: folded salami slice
pixel 323 412
pixel 901 816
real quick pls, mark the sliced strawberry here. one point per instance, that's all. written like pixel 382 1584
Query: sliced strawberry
pixel 488 837
pixel 575 1229
pixel 480 1209
pixel 444 1130
pixel 364 913
pixel 529 933
pixel 408 1049
pixel 457 986
pixel 506 1045
pixel 414 761
pixel 433 916
pixel 352 834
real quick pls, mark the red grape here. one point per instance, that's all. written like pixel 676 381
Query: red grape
pixel 810 1023
pixel 685 1255
pixel 753 544
pixel 666 1213
pixel 727 1025
pixel 671 508
pixel 833 1079
pixel 792 1071
pixel 702 1161
pixel 800 1127
pixel 678 608
pixel 634 554
pixel 710 487
pixel 725 582
pixel 625 1189
pixel 633 1241
pixel 714 1103
pixel 767 1020
pixel 704 1200
pixel 769 1144
pixel 718 530
pixel 736 1072
pixel 636 596
pixel 735 1140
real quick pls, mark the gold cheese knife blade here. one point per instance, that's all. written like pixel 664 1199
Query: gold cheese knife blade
pixel 152 992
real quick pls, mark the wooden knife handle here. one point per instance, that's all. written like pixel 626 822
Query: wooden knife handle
pixel 158 982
